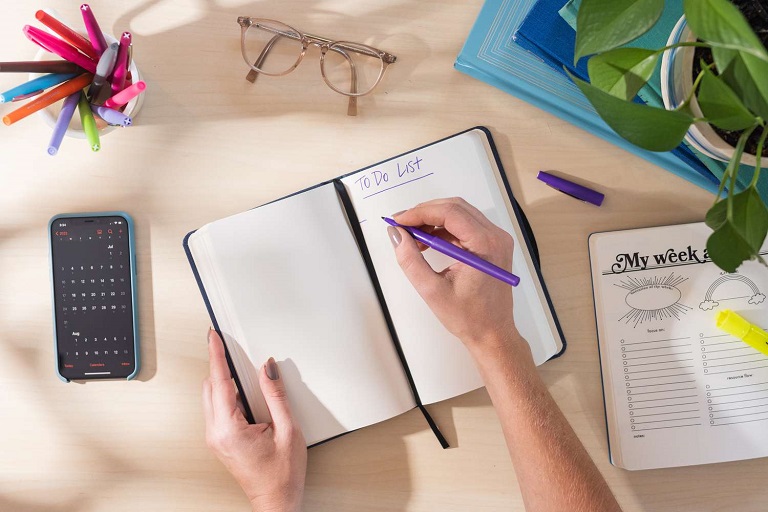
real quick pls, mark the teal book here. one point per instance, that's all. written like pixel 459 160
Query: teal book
pixel 490 54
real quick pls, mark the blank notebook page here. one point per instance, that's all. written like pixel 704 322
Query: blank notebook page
pixel 460 166
pixel 287 280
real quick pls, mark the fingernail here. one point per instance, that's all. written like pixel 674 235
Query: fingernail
pixel 394 236
pixel 399 213
pixel 210 333
pixel 272 371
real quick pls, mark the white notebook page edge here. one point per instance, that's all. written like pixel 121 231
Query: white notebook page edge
pixel 293 286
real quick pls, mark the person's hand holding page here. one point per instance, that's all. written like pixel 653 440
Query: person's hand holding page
pixel 268 460
pixel 470 304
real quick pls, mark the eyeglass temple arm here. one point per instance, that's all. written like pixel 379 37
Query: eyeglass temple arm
pixel 352 105
pixel 253 74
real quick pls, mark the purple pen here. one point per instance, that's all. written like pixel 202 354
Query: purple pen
pixel 112 116
pixel 572 189
pixel 447 248
pixel 62 123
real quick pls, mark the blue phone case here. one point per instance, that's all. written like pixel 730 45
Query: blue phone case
pixel 134 302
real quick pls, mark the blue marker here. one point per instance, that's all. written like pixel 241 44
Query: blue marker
pixel 36 85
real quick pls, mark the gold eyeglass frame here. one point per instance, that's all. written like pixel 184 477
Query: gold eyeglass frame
pixel 307 40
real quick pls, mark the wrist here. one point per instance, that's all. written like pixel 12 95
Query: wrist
pixel 502 349
pixel 265 504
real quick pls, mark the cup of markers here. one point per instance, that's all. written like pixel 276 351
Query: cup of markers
pixel 97 77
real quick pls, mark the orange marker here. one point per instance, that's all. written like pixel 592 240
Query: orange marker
pixel 49 98
pixel 67 34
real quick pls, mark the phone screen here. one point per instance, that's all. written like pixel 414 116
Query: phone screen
pixel 93 300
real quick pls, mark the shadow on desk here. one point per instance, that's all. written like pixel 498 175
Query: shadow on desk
pixel 184 89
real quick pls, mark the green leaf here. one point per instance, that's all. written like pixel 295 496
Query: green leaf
pixel 723 58
pixel 654 129
pixel 719 22
pixel 623 71
pixel 603 25
pixel 750 216
pixel 740 238
pixel 721 106
pixel 727 248
pixel 750 84
pixel 717 215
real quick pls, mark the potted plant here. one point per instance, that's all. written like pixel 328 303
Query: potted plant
pixel 715 90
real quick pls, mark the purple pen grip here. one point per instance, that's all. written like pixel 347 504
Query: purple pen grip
pixel 466 257
pixel 572 189
pixel 463 256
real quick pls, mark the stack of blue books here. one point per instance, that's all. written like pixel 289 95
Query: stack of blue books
pixel 523 47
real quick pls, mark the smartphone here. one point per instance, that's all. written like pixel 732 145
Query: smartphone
pixel 93 282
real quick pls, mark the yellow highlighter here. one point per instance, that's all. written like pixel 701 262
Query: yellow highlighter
pixel 737 326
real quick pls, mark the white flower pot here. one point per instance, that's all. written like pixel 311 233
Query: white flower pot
pixel 676 85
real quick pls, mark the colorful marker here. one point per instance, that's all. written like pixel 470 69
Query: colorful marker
pixel 121 66
pixel 103 69
pixel 62 123
pixel 40 66
pixel 48 98
pixel 121 98
pixel 35 86
pixel 735 325
pixel 111 116
pixel 95 35
pixel 67 34
pixel 59 47
pixel 89 123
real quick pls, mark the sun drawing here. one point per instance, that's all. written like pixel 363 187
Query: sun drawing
pixel 653 298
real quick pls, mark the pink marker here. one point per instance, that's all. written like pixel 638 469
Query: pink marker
pixel 123 97
pixel 95 34
pixel 121 66
pixel 59 47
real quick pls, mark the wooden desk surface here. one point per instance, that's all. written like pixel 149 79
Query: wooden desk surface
pixel 209 144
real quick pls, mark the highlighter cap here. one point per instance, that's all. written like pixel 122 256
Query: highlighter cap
pixel 734 324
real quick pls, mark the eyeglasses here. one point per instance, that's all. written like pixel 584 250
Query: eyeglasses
pixel 351 69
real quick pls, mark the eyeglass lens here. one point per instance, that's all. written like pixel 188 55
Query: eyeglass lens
pixel 351 68
pixel 274 49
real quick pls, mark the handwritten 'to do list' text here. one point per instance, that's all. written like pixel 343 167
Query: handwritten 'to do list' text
pixel 376 181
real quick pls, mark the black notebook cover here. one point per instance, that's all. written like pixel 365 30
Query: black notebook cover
pixel 521 220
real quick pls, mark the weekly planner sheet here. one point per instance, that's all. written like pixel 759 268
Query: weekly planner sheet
pixel 678 391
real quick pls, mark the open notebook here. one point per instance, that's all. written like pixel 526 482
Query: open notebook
pixel 312 280
pixel 678 391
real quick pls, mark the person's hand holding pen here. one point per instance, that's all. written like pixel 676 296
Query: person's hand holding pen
pixel 268 460
pixel 472 305
pixel 552 467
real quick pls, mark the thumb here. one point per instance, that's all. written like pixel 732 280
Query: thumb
pixel 273 388
pixel 426 281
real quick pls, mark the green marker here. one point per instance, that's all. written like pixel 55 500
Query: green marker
pixel 89 123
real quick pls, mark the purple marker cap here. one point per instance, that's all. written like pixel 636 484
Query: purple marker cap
pixel 572 189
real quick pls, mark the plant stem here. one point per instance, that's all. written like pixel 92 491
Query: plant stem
pixel 732 169
pixel 693 90
pixel 758 155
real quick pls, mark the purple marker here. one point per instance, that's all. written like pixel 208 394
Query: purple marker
pixel 572 189
pixel 112 116
pixel 447 248
pixel 62 123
